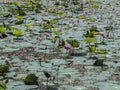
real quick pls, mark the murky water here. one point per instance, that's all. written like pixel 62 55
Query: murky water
pixel 36 49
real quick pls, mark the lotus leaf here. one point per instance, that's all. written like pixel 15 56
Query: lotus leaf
pixel 81 17
pixel 60 12
pixel 95 5
pixel 19 17
pixel 101 51
pixel 17 3
pixel 92 48
pixel 19 22
pixel 57 32
pixel 30 79
pixel 3 86
pixel 53 21
pixel 20 11
pixel 4 68
pixel 90 19
pixel 73 43
pixel 75 2
pixel 93 28
pixel 18 32
pixel 3 30
pixel 28 25
pixel 72 8
pixel 99 62
pixel 89 34
pixel 90 39
pixel 47 26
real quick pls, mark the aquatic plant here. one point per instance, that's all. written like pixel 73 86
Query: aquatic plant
pixel 30 79
pixel 3 86
pixel 4 68
pixel 99 62
pixel 48 75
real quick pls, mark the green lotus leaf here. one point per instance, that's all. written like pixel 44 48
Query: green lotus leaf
pixel 3 86
pixel 72 8
pixel 20 11
pixel 99 62
pixel 11 9
pixel 93 28
pixel 92 48
pixel 57 32
pixel 90 19
pixel 12 28
pixel 18 32
pixel 47 26
pixel 75 2
pixel 95 5
pixel 19 17
pixel 4 68
pixel 17 3
pixel 30 79
pixel 101 51
pixel 28 25
pixel 90 39
pixel 94 32
pixel 73 43
pixel 81 17
pixel 60 12
pixel 53 21
pixel 89 34
pixel 3 30
pixel 67 28
pixel 19 22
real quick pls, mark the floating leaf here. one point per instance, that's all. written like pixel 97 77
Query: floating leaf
pixel 53 21
pixel 93 28
pixel 73 43
pixel 18 32
pixel 60 12
pixel 101 51
pixel 3 30
pixel 92 48
pixel 19 17
pixel 94 32
pixel 17 3
pixel 20 11
pixel 75 2
pixel 4 68
pixel 3 86
pixel 28 25
pixel 12 28
pixel 99 62
pixel 19 22
pixel 81 17
pixel 57 32
pixel 89 34
pixel 95 5
pixel 47 26
pixel 30 79
pixel 90 39
pixel 72 8
pixel 90 19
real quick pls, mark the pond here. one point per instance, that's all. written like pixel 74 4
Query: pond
pixel 60 45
